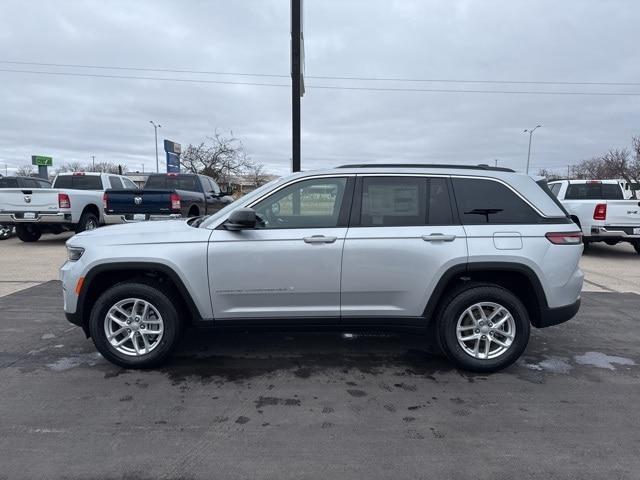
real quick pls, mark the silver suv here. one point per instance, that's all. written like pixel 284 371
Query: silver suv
pixel 469 256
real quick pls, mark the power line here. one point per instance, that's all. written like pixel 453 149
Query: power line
pixel 325 77
pixel 326 87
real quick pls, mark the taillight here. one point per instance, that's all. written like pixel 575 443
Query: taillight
pixel 600 212
pixel 564 238
pixel 105 204
pixel 175 201
pixel 63 201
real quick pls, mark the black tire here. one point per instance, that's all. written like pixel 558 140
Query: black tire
pixel 611 242
pixel 161 300
pixel 636 245
pixel 194 212
pixel 455 306
pixel 88 221
pixel 28 233
pixel 6 231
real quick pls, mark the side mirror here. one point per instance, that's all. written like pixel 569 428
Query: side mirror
pixel 241 219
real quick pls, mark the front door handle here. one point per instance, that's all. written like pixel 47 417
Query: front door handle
pixel 438 237
pixel 319 239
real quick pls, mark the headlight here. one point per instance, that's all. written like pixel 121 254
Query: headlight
pixel 74 253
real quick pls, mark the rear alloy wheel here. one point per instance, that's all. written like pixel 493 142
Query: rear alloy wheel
pixel 484 328
pixel 28 233
pixel 88 221
pixel 135 325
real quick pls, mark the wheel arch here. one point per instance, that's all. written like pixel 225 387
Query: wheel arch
pixel 92 208
pixel 103 276
pixel 519 279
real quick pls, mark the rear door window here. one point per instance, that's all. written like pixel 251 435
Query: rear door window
pixel 483 201
pixel 404 202
pixel 115 182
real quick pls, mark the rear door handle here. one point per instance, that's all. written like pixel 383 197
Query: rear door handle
pixel 319 239
pixel 438 237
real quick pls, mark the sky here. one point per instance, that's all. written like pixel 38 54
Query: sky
pixel 72 117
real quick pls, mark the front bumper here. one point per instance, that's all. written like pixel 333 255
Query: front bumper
pixel 13 218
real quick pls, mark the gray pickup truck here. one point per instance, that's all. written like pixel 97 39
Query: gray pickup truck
pixel 167 195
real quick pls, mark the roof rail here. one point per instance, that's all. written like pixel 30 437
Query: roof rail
pixel 427 165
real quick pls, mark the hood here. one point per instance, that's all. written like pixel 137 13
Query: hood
pixel 150 232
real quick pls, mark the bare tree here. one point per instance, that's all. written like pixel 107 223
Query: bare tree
pixel 219 157
pixel 549 175
pixel 74 166
pixel 106 167
pixel 256 174
pixel 25 171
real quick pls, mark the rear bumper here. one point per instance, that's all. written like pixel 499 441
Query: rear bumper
pixel 614 232
pixel 150 217
pixel 13 218
pixel 555 316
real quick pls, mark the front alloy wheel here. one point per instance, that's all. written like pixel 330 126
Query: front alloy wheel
pixel 135 324
pixel 133 327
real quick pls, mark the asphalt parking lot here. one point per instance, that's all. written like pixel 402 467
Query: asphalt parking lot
pixel 317 406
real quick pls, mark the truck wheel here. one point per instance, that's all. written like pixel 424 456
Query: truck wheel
pixel 28 233
pixel 636 245
pixel 135 325
pixel 611 242
pixel 88 221
pixel 483 328
pixel 5 231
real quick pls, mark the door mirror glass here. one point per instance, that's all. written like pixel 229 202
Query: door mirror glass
pixel 241 219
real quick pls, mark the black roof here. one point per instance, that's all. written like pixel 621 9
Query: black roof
pixel 427 165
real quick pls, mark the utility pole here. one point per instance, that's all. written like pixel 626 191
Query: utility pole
pixel 530 131
pixel 297 86
pixel 93 162
pixel 568 172
pixel 496 160
pixel 155 128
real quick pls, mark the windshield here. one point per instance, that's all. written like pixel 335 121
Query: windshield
pixel 244 200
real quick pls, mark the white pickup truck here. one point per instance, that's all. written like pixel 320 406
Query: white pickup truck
pixel 73 203
pixel 598 207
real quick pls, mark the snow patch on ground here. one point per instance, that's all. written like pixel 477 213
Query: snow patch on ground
pixel 601 360
pixel 551 364
pixel 74 361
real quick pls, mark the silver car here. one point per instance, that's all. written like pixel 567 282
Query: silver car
pixel 471 257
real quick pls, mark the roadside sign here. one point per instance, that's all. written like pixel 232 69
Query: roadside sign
pixel 172 150
pixel 41 160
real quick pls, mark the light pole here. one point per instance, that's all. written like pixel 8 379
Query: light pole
pixel 155 128
pixel 530 131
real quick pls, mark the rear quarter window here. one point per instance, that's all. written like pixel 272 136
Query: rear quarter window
pixel 490 202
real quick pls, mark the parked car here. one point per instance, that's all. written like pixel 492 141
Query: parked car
pixel 72 203
pixel 598 207
pixel 24 182
pixel 8 231
pixel 167 195
pixel 469 256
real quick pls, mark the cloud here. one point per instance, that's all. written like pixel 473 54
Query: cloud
pixel 72 118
